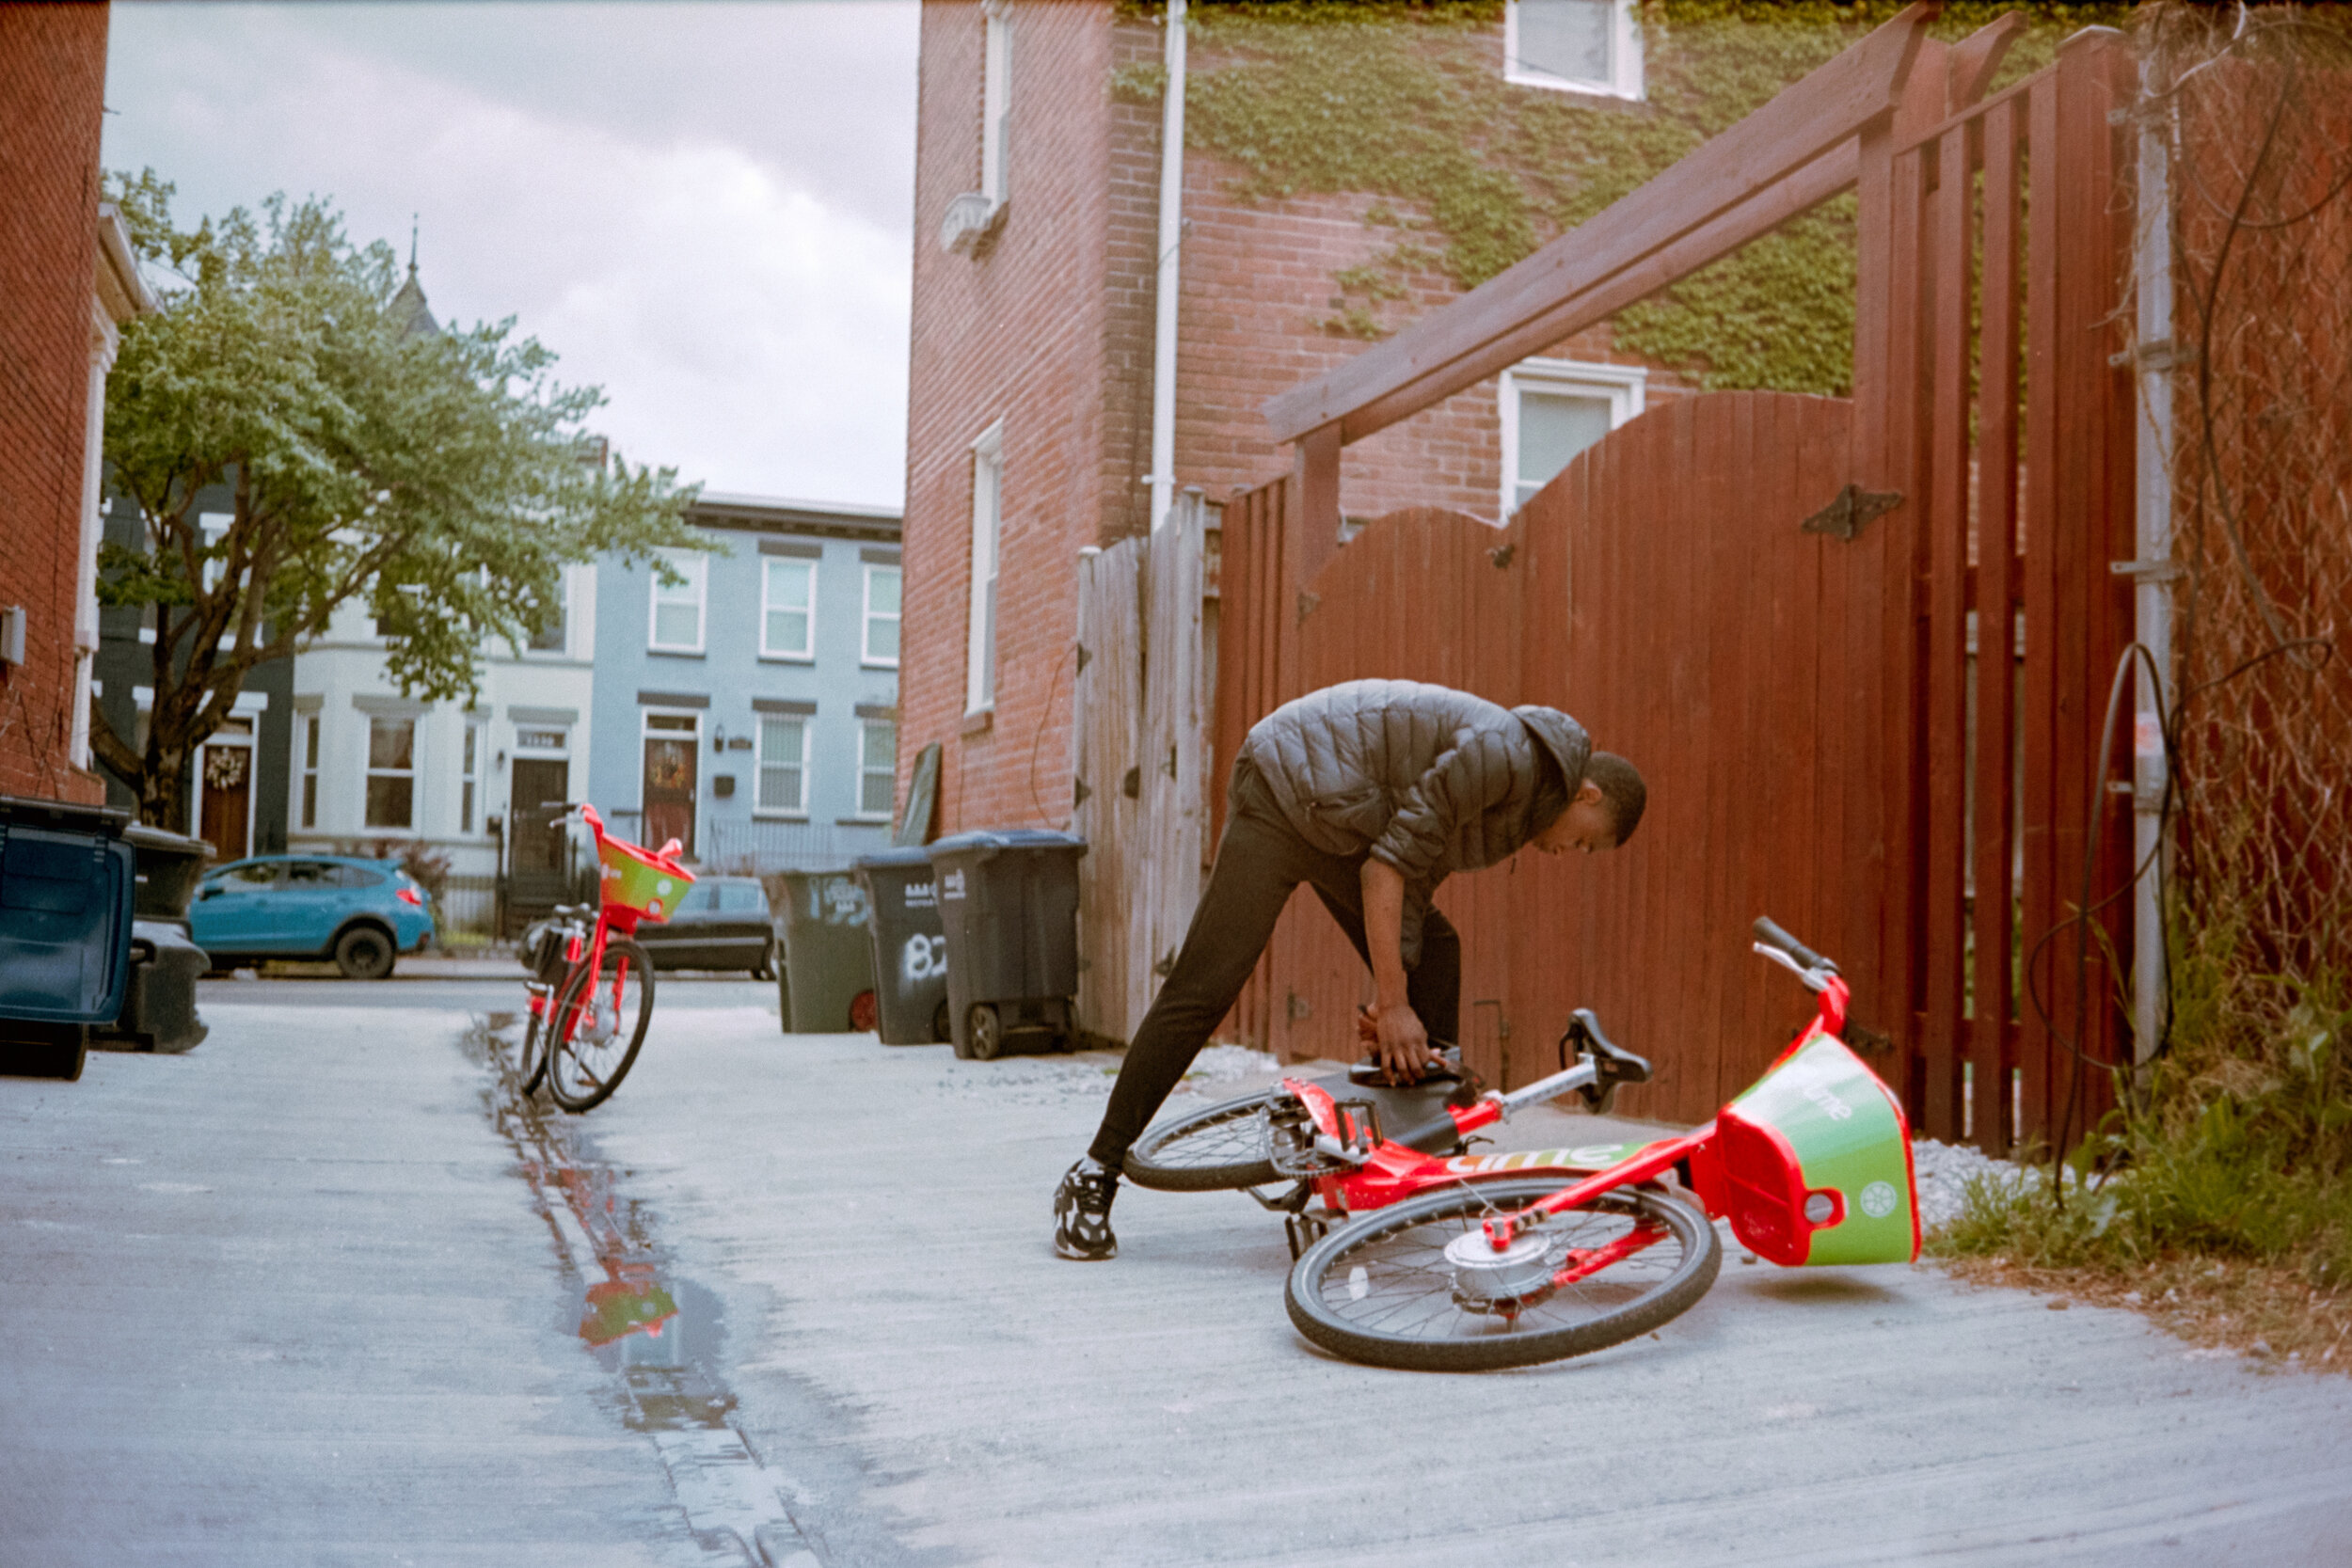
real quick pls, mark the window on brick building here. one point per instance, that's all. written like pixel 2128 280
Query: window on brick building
pixel 988 498
pixel 1592 46
pixel 995 98
pixel 1553 409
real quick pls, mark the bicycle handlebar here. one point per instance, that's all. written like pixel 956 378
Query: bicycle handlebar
pixel 1770 935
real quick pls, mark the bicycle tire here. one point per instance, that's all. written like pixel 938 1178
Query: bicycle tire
pixel 1216 1150
pixel 1380 1291
pixel 583 1068
pixel 531 1061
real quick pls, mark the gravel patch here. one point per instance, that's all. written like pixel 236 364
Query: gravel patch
pixel 1942 1172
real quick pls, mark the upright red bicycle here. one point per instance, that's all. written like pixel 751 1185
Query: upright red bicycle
pixel 593 999
pixel 1425 1257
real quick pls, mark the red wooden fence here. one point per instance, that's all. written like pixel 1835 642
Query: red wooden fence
pixel 1806 705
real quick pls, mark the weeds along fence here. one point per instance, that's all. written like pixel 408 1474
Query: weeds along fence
pixel 2257 107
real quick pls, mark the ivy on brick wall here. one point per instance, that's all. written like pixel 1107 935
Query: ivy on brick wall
pixel 1408 102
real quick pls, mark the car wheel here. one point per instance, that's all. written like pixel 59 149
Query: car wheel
pixel 767 967
pixel 363 953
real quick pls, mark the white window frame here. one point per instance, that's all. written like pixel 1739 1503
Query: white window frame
pixel 307 770
pixel 695 566
pixel 807 652
pixel 889 776
pixel 760 762
pixel 995 100
pixel 869 615
pixel 1626 53
pixel 368 772
pixel 563 622
pixel 987 537
pixel 469 775
pixel 1626 386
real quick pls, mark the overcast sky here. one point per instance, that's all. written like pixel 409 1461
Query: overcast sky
pixel 703 209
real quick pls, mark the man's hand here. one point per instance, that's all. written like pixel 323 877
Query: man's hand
pixel 1393 1034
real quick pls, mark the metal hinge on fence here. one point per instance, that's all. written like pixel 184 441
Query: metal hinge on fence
pixel 1852 512
pixel 1078 794
pixel 2149 571
pixel 1297 1008
pixel 1501 555
pixel 1083 656
pixel 1132 785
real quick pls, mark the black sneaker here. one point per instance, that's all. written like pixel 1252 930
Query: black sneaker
pixel 1082 1213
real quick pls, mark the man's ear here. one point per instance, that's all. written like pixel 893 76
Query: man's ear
pixel 1588 793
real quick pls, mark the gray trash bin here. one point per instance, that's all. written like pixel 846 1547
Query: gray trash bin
pixel 910 946
pixel 159 1003
pixel 826 983
pixel 1009 903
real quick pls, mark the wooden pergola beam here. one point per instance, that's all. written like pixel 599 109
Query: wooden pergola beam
pixel 1721 195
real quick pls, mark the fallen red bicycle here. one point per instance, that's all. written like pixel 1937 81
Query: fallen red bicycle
pixel 1428 1258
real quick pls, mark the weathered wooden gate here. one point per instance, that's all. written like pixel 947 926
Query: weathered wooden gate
pixel 1777 607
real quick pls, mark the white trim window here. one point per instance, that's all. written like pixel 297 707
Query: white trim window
pixel 1588 46
pixel 877 767
pixel 551 634
pixel 309 805
pixel 469 775
pixel 787 606
pixel 783 765
pixel 391 785
pixel 995 100
pixel 675 623
pixel 879 645
pixel 988 504
pixel 1552 409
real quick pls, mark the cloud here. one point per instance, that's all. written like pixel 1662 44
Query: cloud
pixel 727 278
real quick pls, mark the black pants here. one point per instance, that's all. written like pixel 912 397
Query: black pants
pixel 1259 860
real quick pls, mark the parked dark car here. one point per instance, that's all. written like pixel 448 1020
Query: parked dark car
pixel 720 923
pixel 360 913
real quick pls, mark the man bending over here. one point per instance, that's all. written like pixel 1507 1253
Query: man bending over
pixel 1372 793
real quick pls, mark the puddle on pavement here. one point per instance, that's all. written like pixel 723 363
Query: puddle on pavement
pixel 658 1333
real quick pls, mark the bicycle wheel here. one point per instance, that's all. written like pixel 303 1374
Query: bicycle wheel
pixel 1384 1289
pixel 593 1033
pixel 1213 1151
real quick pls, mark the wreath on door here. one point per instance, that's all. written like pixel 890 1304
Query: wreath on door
pixel 225 766
pixel 666 764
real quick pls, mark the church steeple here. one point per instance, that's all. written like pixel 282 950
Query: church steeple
pixel 409 310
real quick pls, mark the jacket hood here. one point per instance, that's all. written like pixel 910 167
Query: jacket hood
pixel 1560 736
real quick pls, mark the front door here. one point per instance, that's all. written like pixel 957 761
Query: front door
pixel 224 813
pixel 538 800
pixel 673 754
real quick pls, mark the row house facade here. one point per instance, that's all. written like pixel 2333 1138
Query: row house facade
pixel 1030 401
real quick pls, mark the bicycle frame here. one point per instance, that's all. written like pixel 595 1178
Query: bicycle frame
pixel 1805 1164
pixel 586 940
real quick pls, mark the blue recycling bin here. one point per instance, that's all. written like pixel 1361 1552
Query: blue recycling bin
pixel 67 889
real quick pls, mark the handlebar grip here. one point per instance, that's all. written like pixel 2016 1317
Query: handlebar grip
pixel 1771 935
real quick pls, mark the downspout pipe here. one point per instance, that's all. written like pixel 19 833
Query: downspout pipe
pixel 2154 570
pixel 1163 476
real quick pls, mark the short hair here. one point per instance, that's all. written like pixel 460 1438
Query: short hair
pixel 1622 787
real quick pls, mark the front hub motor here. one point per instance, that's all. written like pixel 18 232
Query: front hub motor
pixel 1486 1280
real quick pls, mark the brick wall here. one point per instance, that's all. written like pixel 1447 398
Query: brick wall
pixel 53 77
pixel 1014 333
pixel 1050 329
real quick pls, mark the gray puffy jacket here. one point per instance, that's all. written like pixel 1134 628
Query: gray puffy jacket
pixel 1428 779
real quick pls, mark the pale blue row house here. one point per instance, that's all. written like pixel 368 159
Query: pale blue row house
pixel 750 710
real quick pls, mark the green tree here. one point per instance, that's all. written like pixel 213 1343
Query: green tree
pixel 435 476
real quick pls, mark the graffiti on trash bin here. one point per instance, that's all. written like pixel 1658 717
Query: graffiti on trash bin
pixel 922 959
pixel 837 901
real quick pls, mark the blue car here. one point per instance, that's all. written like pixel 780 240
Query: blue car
pixel 360 913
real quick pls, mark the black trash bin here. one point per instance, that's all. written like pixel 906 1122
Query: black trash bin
pixel 159 1002
pixel 826 982
pixel 66 907
pixel 910 946
pixel 1008 904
